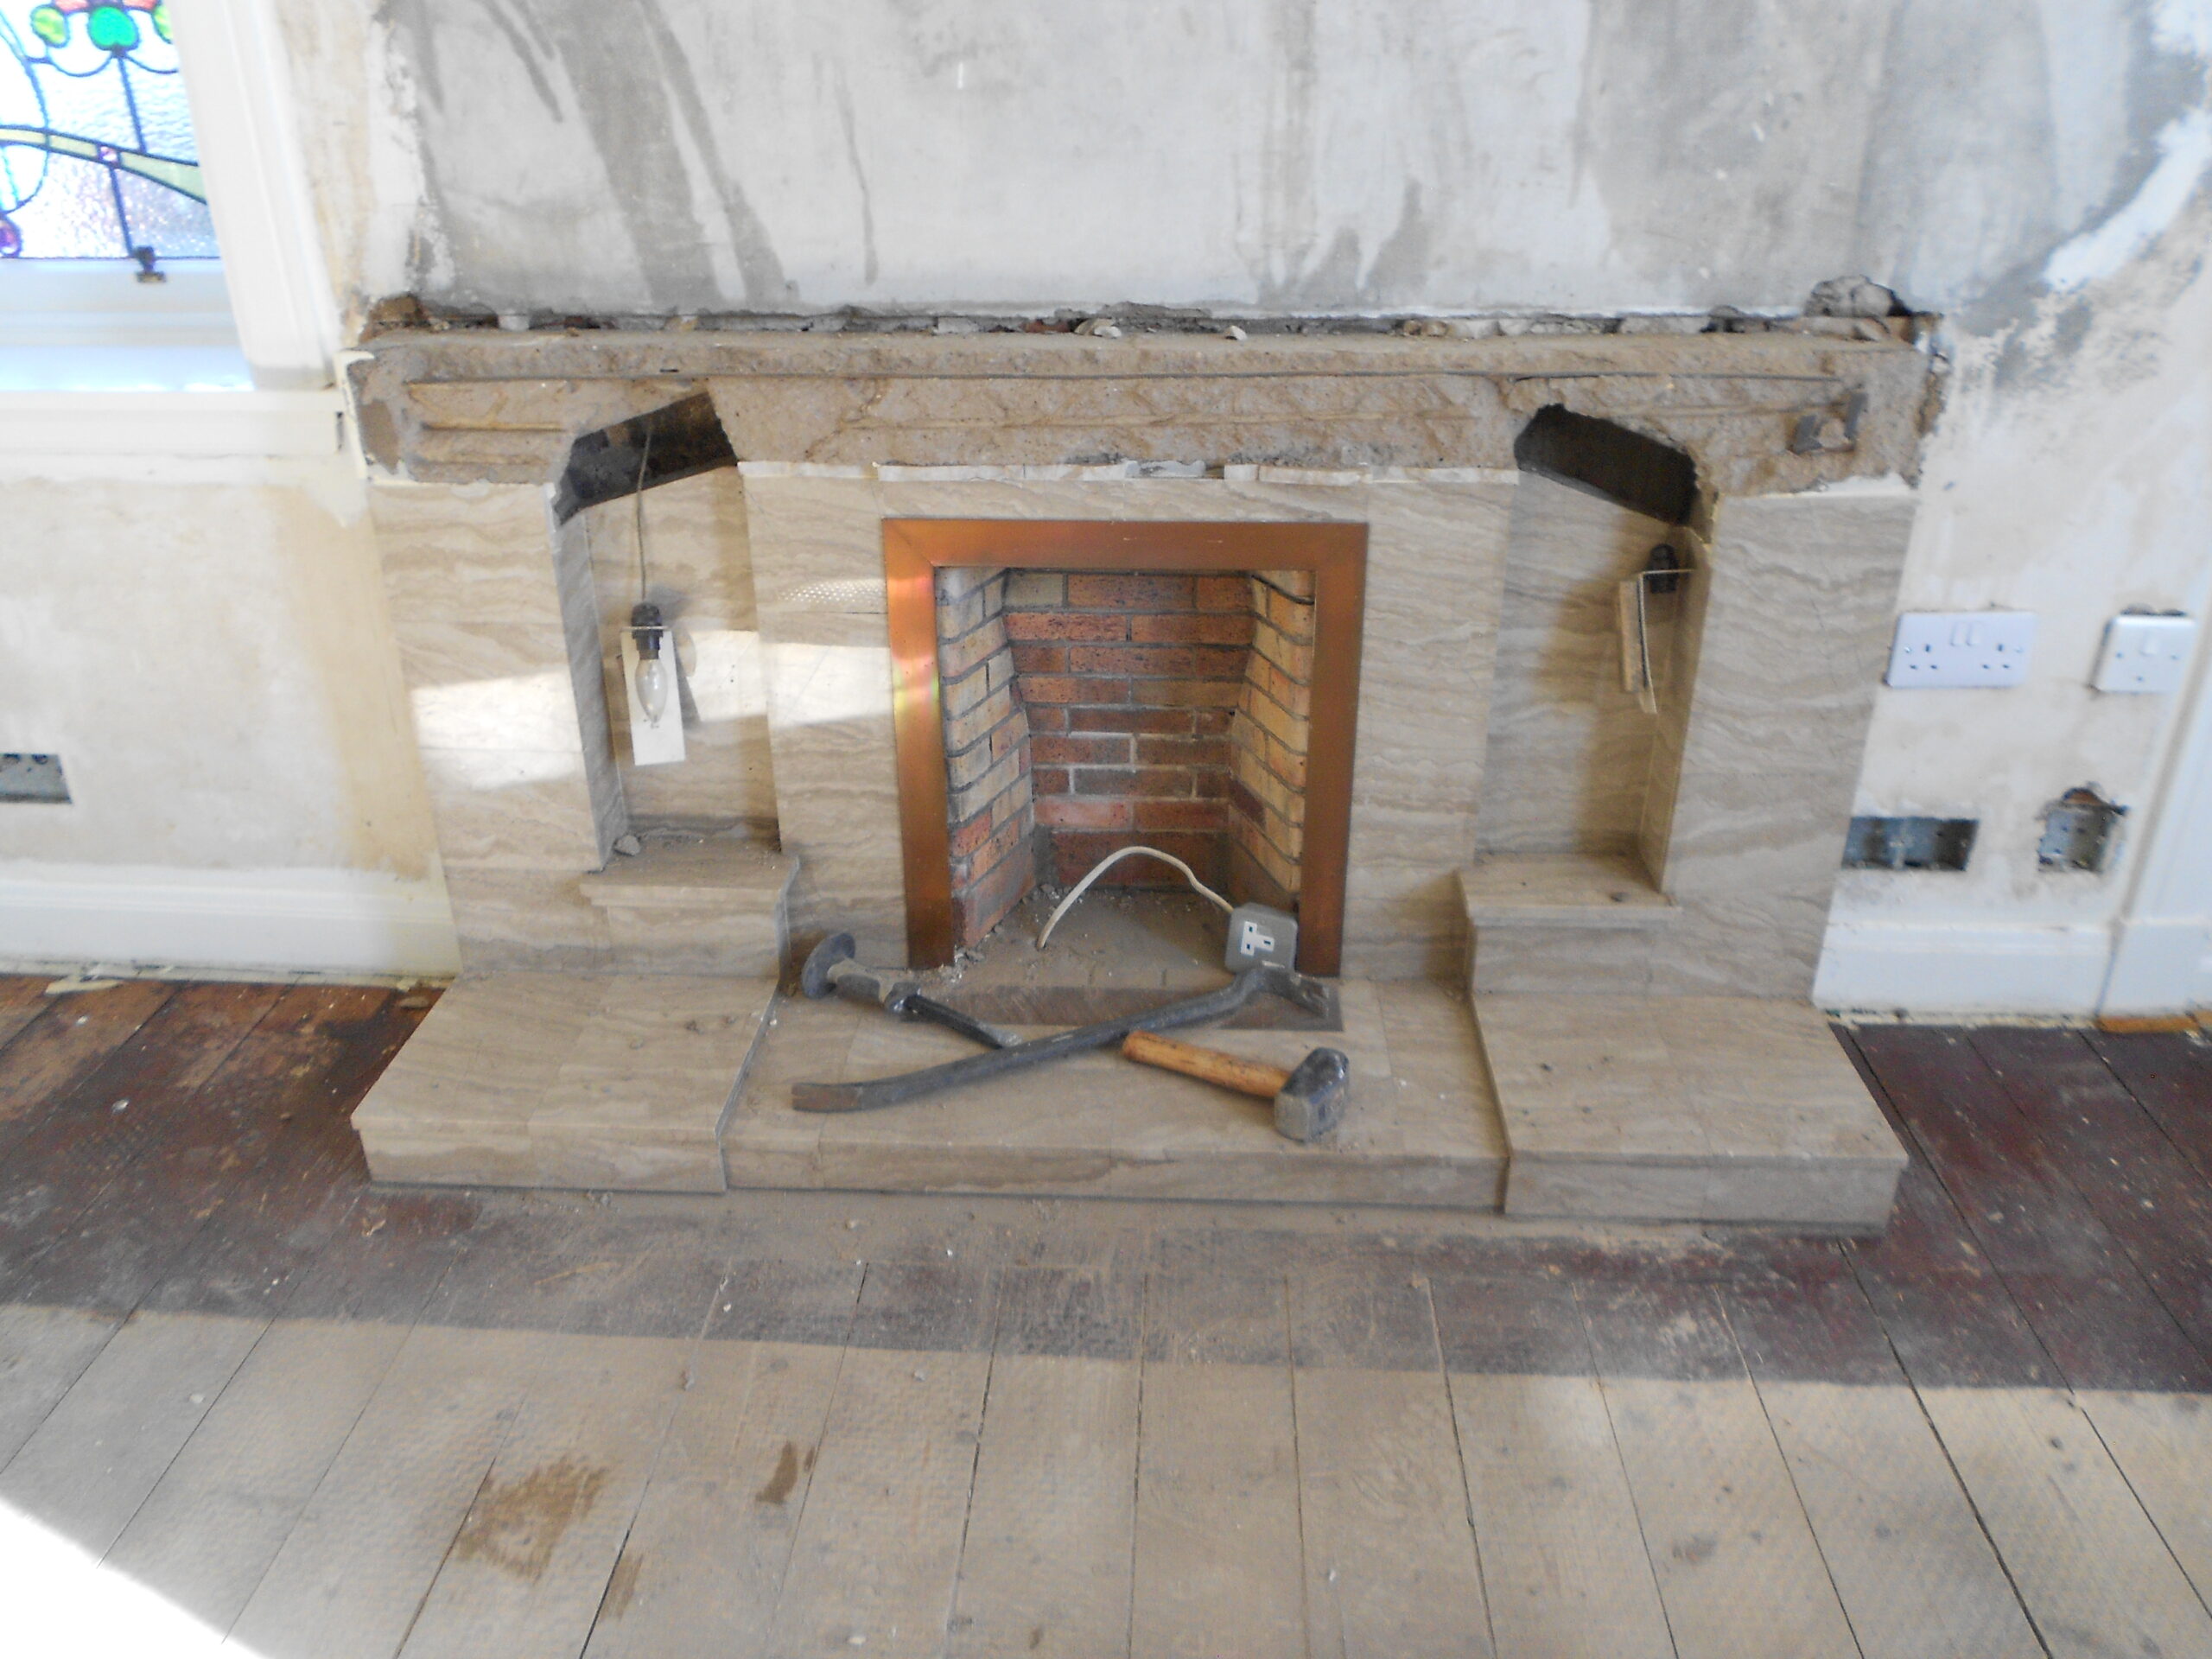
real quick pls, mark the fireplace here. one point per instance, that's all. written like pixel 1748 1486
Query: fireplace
pixel 1064 688
pixel 1336 622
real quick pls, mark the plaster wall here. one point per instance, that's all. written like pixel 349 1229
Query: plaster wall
pixel 211 661
pixel 657 156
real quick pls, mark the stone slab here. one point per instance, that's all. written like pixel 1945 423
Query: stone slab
pixel 712 904
pixel 1421 1127
pixel 1601 891
pixel 1684 1108
pixel 481 404
pixel 568 1080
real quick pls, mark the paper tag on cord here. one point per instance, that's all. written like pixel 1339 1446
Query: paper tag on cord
pixel 1636 645
pixel 652 745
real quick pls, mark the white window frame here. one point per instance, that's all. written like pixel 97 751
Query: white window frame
pixel 281 310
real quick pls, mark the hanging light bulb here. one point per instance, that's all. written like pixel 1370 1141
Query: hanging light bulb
pixel 654 677
pixel 652 687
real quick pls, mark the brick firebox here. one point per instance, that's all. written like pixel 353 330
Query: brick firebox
pixel 1085 711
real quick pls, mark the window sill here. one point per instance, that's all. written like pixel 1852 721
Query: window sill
pixel 128 421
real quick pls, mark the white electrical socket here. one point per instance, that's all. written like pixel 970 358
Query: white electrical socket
pixel 2145 654
pixel 1258 934
pixel 1953 648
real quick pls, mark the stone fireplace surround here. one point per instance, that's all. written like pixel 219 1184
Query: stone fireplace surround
pixel 1776 645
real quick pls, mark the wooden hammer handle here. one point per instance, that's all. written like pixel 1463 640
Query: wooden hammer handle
pixel 1209 1066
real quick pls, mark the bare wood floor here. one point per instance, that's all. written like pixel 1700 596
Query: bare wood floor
pixel 249 1403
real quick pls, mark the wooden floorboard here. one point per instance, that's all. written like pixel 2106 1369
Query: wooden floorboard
pixel 2169 1075
pixel 138 1102
pixel 328 1418
pixel 70 1038
pixel 22 999
pixel 2096 1137
pixel 2078 1288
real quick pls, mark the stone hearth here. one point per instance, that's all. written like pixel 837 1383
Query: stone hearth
pixel 1514 827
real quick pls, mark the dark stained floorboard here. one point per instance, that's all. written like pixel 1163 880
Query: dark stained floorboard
pixel 67 1040
pixel 2054 1227
pixel 2169 1076
pixel 22 999
pixel 2096 1136
pixel 2078 1288
pixel 132 1108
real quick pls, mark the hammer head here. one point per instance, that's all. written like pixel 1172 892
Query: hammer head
pixel 815 979
pixel 1312 1100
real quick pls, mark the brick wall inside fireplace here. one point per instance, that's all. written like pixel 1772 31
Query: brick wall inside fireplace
pixel 1086 711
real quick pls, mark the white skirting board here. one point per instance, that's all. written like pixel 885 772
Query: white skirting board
pixel 334 921
pixel 1934 967
pixel 2158 967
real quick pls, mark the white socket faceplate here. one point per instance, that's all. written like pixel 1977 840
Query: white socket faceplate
pixel 2145 654
pixel 1958 648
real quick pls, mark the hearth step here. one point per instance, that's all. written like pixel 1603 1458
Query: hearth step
pixel 568 1080
pixel 1420 1129
pixel 704 906
pixel 1581 890
pixel 1565 922
pixel 1684 1108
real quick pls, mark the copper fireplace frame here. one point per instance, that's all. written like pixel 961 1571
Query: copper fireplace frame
pixel 914 549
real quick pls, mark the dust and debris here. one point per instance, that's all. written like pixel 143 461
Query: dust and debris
pixel 516 1526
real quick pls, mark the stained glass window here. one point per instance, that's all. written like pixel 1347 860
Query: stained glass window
pixel 97 158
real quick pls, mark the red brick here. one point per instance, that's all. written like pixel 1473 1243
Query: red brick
pixel 1103 749
pixel 967 838
pixel 1182 662
pixel 1182 751
pixel 1047 688
pixel 1128 590
pixel 1155 782
pixel 1211 722
pixel 1067 811
pixel 1194 628
pixel 1225 593
pixel 1165 722
pixel 1049 780
pixel 1040 659
pixel 1063 626
pixel 1190 694
pixel 1182 815
pixel 1246 803
pixel 1048 719
pixel 979 907
pixel 1002 841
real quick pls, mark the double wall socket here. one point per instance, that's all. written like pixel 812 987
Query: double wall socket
pixel 1953 648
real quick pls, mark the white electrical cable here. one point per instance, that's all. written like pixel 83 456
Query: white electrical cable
pixel 1107 863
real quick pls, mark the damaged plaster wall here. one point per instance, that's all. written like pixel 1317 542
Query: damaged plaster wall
pixel 2071 476
pixel 664 156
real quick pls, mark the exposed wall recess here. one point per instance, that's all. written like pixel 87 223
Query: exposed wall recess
pixel 1911 844
pixel 33 777
pixel 2080 829
pixel 1640 473
pixel 676 440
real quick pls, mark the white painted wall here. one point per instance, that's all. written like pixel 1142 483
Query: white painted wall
pixel 204 644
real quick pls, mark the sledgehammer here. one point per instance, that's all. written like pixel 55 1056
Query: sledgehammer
pixel 1309 1100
